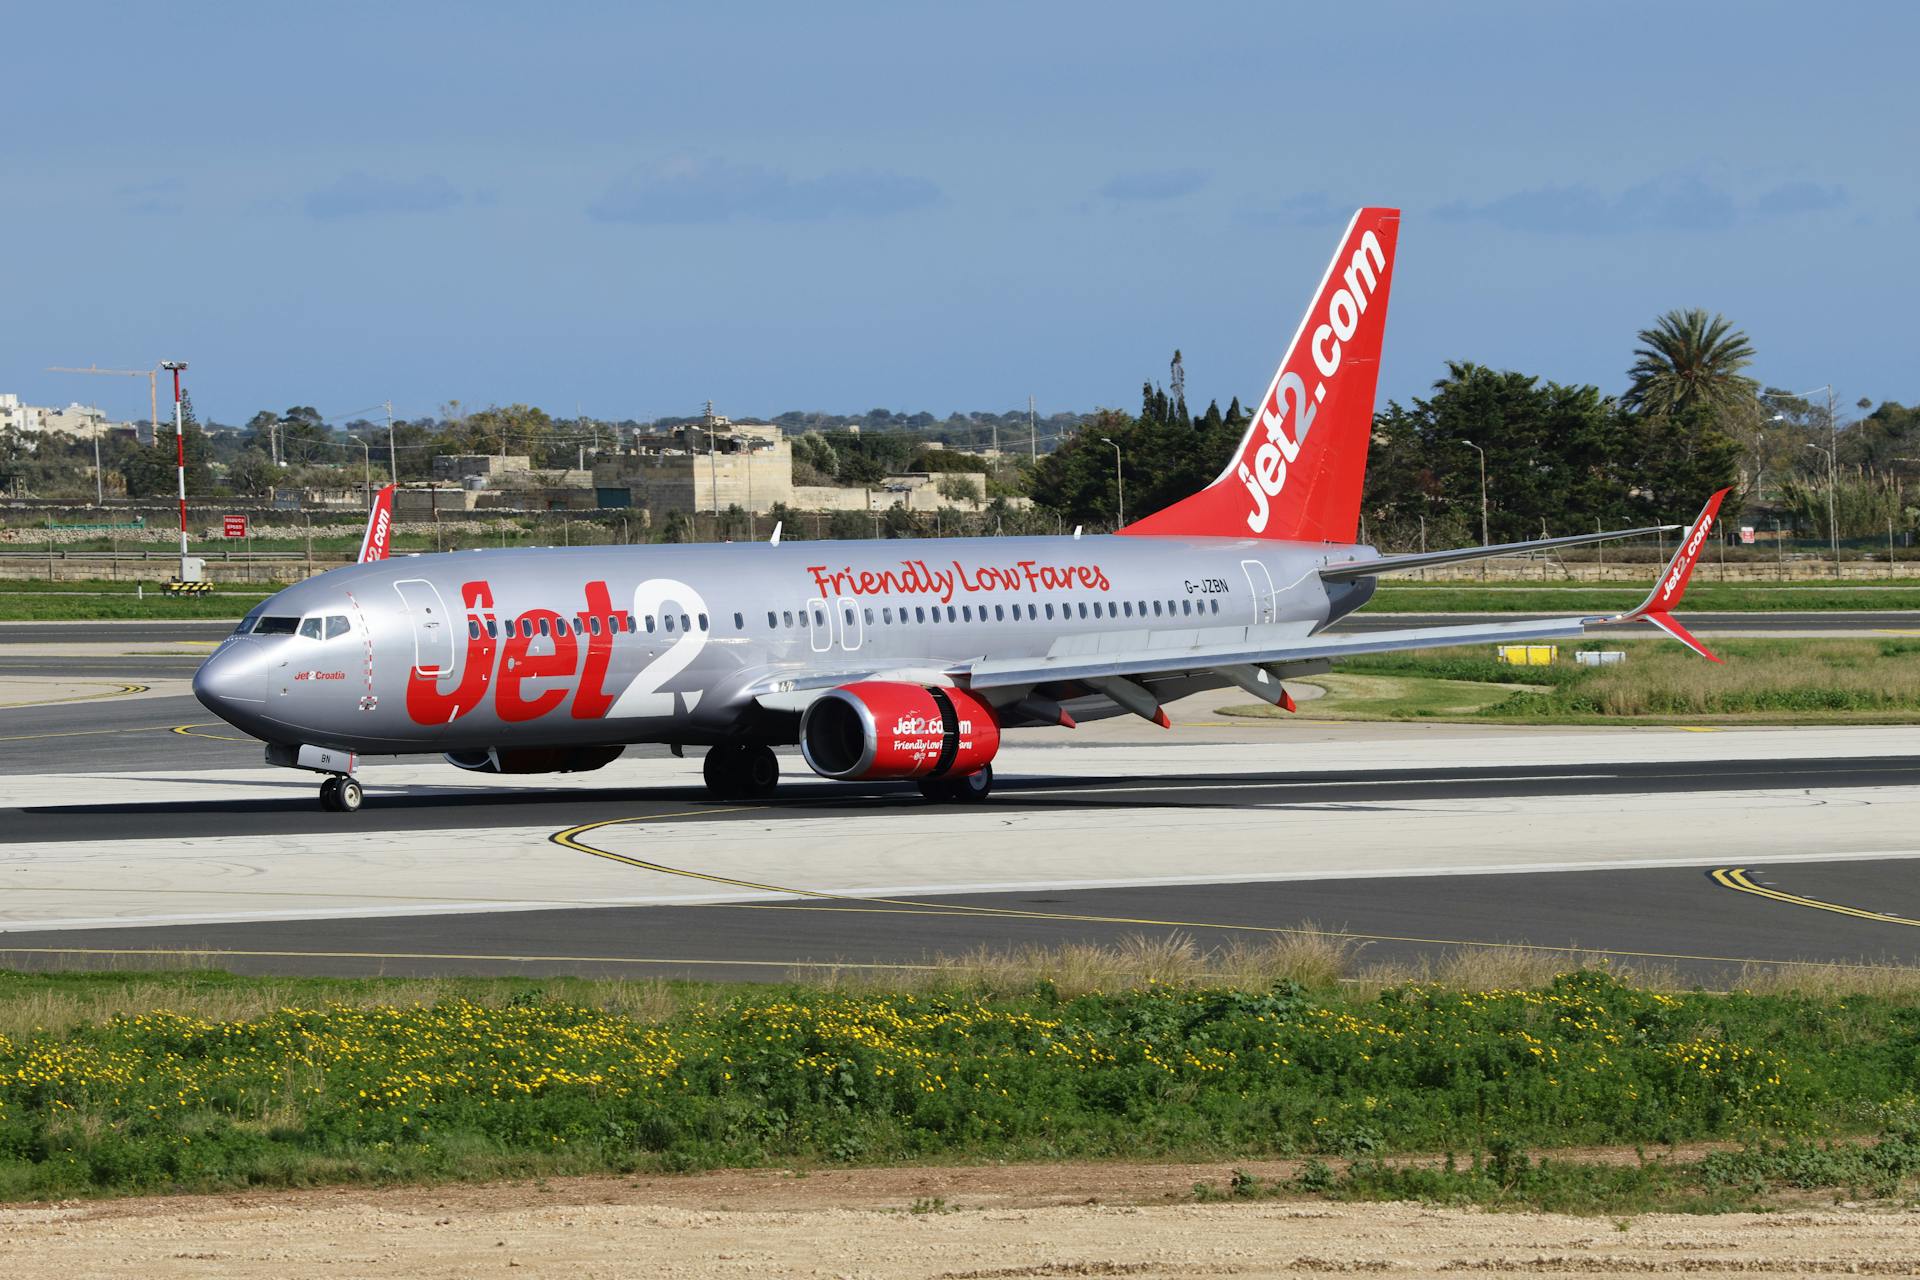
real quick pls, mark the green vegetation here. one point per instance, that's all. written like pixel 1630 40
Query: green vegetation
pixel 117 1083
pixel 1558 458
pixel 90 601
pixel 1505 1176
pixel 1569 595
pixel 1760 681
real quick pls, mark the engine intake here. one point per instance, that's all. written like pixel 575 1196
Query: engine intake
pixel 535 759
pixel 879 729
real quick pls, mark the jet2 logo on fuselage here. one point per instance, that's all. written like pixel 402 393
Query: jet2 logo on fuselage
pixel 502 665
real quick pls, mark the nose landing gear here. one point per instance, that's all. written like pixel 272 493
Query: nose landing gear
pixel 741 771
pixel 341 794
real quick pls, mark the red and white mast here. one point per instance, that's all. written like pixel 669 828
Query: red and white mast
pixel 180 456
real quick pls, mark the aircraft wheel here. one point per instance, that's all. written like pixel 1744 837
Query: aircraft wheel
pixel 330 795
pixel 722 771
pixel 758 770
pixel 347 795
pixel 975 787
pixel 971 789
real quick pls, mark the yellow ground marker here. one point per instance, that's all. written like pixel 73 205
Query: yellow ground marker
pixel 571 839
pixel 1736 878
pixel 117 691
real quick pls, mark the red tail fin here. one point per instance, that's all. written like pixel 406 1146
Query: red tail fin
pixel 1298 471
pixel 379 536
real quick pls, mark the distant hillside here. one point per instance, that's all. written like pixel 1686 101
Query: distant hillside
pixel 967 430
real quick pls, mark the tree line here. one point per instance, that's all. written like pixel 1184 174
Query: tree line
pixel 1559 458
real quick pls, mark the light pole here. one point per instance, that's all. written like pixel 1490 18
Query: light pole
pixel 1119 480
pixel 1833 528
pixel 366 462
pixel 1485 541
pixel 713 469
pixel 177 367
pixel 99 483
pixel 393 457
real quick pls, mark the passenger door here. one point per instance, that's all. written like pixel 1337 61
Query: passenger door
pixel 1260 582
pixel 852 629
pixel 433 626
pixel 820 624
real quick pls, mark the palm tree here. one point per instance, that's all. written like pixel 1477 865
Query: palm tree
pixel 1687 359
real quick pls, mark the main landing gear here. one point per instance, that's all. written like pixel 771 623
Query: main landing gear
pixel 741 771
pixel 971 789
pixel 340 794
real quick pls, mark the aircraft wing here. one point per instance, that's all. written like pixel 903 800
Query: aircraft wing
pixel 1249 648
pixel 1241 654
pixel 1347 570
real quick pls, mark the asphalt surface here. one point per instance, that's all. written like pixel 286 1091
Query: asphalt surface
pixel 1685 919
pixel 1681 920
pixel 422 809
pixel 1678 919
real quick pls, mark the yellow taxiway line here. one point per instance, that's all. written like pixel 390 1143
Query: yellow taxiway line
pixel 117 691
pixel 819 900
pixel 1736 878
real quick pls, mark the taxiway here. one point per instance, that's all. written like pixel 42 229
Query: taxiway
pixel 133 829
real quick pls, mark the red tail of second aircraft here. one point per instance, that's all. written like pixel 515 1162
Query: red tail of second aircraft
pixel 378 540
pixel 1298 471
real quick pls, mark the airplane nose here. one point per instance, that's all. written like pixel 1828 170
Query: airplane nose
pixel 233 682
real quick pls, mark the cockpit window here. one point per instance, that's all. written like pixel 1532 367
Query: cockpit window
pixel 247 623
pixel 310 628
pixel 336 625
pixel 276 626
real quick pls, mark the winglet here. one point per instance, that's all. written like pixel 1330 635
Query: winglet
pixel 1667 592
pixel 378 540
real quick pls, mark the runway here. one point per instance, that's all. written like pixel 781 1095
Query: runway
pixel 133 830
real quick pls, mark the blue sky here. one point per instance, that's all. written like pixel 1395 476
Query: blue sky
pixel 842 206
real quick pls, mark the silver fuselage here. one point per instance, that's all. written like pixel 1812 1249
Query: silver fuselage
pixel 673 644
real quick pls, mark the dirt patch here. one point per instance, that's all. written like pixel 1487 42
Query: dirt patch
pixel 938 1223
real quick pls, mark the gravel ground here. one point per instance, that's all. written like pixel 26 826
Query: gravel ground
pixel 1073 1220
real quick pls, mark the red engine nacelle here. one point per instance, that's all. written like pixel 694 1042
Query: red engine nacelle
pixel 535 759
pixel 880 729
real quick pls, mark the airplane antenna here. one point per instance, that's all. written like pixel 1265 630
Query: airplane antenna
pixel 774 541
pixel 1076 532
pixel 1033 433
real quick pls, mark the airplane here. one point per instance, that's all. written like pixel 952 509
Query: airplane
pixel 901 659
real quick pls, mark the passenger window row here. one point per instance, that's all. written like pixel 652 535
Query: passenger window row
pixel 590 624
pixel 916 615
pixel 329 626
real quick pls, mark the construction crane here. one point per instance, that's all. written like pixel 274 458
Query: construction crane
pixel 153 387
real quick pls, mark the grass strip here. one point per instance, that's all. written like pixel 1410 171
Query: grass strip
pixel 103 600
pixel 1573 596
pixel 532 1079
pixel 1778 681
pixel 1755 1178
